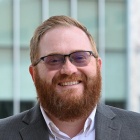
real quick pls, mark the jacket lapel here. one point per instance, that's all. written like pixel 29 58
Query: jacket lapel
pixel 35 128
pixel 107 127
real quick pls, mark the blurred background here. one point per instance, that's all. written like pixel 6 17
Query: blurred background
pixel 115 26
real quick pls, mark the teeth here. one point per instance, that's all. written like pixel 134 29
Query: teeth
pixel 69 83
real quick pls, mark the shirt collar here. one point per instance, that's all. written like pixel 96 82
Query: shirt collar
pixel 90 122
pixel 88 126
pixel 47 119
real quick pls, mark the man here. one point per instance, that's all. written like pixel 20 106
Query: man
pixel 66 71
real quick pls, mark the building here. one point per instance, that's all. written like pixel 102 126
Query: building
pixel 114 25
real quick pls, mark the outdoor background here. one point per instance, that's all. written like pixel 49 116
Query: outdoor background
pixel 115 26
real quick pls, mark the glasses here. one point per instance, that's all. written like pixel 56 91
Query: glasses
pixel 56 61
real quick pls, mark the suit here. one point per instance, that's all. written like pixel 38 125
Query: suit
pixel 110 124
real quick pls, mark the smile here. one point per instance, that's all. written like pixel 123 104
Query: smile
pixel 69 83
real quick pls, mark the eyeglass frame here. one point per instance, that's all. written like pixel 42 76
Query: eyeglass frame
pixel 66 55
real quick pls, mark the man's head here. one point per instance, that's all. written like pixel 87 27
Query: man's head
pixel 68 87
pixel 51 23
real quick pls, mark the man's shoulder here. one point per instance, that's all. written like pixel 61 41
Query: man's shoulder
pixel 114 122
pixel 10 126
pixel 20 119
pixel 123 115
pixel 118 111
pixel 20 125
pixel 15 119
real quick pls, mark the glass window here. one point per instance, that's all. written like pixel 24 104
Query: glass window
pixel 115 23
pixel 6 23
pixel 6 74
pixel 88 15
pixel 30 18
pixel 115 75
pixel 6 108
pixel 25 105
pixel 28 91
pixel 59 7
pixel 115 49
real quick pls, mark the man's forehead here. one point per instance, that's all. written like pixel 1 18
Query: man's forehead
pixel 62 38
pixel 60 28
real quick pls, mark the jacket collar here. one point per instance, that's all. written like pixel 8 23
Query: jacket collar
pixel 107 126
pixel 35 128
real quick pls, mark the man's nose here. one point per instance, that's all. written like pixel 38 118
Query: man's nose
pixel 68 68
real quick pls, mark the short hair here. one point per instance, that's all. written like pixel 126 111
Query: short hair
pixel 51 23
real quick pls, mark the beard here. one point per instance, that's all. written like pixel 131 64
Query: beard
pixel 67 106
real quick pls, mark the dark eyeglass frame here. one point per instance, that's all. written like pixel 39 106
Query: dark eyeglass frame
pixel 64 56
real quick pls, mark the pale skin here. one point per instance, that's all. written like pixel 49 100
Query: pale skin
pixel 65 40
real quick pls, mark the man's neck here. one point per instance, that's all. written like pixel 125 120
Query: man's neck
pixel 71 128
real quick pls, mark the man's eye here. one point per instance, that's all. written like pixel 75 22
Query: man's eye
pixel 54 61
pixel 80 58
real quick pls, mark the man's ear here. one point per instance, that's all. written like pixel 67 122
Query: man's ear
pixel 32 72
pixel 100 63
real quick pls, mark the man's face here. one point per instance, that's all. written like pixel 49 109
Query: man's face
pixel 69 92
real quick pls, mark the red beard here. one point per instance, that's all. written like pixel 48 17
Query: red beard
pixel 65 106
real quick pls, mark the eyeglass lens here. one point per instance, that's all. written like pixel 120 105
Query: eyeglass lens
pixel 79 59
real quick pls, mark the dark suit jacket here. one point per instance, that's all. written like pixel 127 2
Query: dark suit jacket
pixel 110 124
